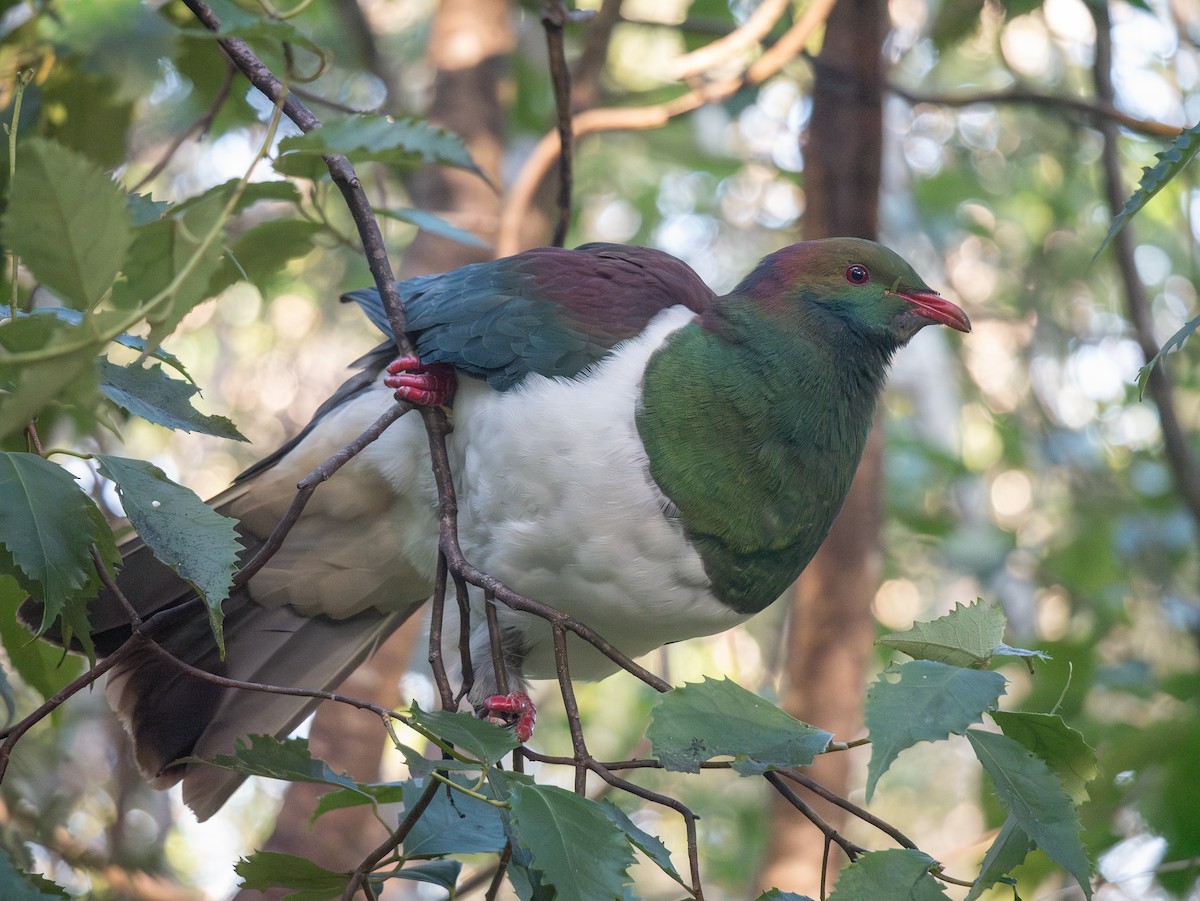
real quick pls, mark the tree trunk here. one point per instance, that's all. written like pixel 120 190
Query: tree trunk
pixel 832 629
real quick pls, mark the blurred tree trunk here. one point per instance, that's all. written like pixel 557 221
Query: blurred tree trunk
pixel 832 630
pixel 470 42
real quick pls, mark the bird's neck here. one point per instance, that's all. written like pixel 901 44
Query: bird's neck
pixel 754 436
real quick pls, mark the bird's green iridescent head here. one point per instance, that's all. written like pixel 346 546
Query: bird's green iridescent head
pixel 850 282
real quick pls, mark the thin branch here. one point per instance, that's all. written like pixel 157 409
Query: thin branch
pixel 199 127
pixel 850 849
pixel 309 484
pixel 1096 113
pixel 544 154
pixel 359 879
pixel 719 52
pixel 1184 466
pixel 554 19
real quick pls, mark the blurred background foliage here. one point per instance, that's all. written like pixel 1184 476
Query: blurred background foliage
pixel 1021 464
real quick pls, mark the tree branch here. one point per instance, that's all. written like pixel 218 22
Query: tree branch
pixel 1184 466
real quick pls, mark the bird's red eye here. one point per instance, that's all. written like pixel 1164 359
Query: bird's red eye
pixel 858 275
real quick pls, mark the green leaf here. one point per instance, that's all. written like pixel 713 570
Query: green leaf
pixel 443 873
pixel 403 143
pixel 650 845
pixel 263 870
pixel 926 702
pixel 1036 800
pixel 75 317
pixel 476 738
pixel 64 373
pixel 288 759
pixel 966 636
pixel 1170 163
pixel 570 841
pixel 364 793
pixel 897 874
pixel 715 718
pixel 776 895
pixel 143 208
pixel 67 221
pixel 260 253
pixel 1174 343
pixel 48 526
pixel 170 264
pixel 39 664
pixel 16 885
pixel 1062 748
pixel 1007 852
pixel 185 533
pixel 149 393
pixel 435 225
pixel 454 822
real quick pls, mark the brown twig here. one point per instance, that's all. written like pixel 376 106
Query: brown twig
pixel 554 20
pixel 848 847
pixel 521 194
pixel 1095 113
pixel 719 52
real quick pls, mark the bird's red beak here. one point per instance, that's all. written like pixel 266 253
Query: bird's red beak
pixel 933 306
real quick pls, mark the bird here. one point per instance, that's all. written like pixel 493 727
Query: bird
pixel 653 459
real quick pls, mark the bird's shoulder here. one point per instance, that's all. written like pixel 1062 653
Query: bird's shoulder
pixel 548 311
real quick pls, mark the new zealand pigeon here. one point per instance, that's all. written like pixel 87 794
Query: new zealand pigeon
pixel 653 459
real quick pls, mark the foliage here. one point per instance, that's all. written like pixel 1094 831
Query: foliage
pixel 1044 487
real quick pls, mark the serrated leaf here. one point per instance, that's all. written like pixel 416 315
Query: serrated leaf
pixel 1007 852
pixel 363 793
pixel 263 870
pixel 1170 163
pixel 1004 650
pixel 454 823
pixel 288 759
pixel 476 738
pixel 650 845
pixel 1036 800
pixel 67 221
pixel 1174 343
pixel 570 841
pixel 48 528
pixel 402 143
pixel 896 874
pixel 150 393
pixel 143 208
pixel 927 702
pixel 715 718
pixel 435 225
pixel 776 895
pixel 966 636
pixel 16 885
pixel 185 533
pixel 1062 748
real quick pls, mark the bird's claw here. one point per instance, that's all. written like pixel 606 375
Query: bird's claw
pixel 423 384
pixel 515 709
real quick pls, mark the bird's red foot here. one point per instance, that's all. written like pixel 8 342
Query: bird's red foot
pixel 514 708
pixel 423 384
